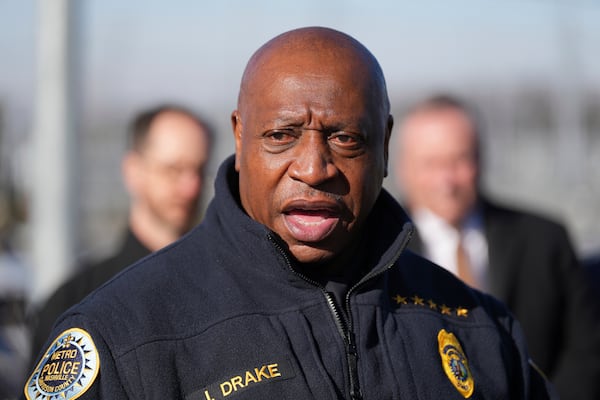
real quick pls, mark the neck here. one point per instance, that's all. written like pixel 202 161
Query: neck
pixel 152 234
pixel 346 267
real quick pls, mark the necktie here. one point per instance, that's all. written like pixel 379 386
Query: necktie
pixel 464 268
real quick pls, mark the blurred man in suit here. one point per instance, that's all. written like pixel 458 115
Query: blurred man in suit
pixel 522 258
pixel 163 170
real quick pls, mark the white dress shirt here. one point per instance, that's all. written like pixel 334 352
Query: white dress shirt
pixel 441 239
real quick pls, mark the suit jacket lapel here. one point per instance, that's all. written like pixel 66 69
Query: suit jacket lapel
pixel 502 241
pixel 502 244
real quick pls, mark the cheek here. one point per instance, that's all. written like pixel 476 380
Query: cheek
pixel 365 185
pixel 149 187
pixel 422 181
pixel 159 192
pixel 466 176
pixel 259 190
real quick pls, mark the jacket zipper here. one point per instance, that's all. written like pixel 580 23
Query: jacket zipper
pixel 345 327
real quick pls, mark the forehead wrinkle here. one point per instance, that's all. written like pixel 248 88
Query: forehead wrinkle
pixel 287 118
pixel 304 119
pixel 322 120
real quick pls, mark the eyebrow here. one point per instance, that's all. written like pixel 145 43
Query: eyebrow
pixel 290 117
pixel 298 120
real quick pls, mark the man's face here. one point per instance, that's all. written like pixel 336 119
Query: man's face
pixel 438 166
pixel 169 171
pixel 311 150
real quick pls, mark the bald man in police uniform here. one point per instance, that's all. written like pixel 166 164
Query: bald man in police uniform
pixel 297 284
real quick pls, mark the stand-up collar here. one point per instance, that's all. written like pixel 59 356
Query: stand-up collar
pixel 387 228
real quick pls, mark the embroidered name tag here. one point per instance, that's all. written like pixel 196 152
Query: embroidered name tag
pixel 251 377
pixel 67 370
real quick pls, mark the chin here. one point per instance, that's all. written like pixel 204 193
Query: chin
pixel 180 226
pixel 310 255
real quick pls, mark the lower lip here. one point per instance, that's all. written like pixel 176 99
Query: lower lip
pixel 310 227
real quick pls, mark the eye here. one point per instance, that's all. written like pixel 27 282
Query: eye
pixel 346 140
pixel 279 139
pixel 280 136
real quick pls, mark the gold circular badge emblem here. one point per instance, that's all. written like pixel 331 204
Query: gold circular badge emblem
pixel 67 370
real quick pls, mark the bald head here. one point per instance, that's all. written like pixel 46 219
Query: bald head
pixel 314 49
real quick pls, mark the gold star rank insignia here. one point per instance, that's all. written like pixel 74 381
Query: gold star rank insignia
pixel 445 309
pixel 417 300
pixel 432 304
pixel 462 312
pixel 399 299
pixel 455 364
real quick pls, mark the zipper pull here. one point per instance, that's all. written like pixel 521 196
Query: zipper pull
pixel 352 357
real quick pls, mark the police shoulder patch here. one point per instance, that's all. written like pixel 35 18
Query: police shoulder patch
pixel 455 363
pixel 67 369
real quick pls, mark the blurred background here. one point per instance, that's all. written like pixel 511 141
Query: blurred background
pixel 72 73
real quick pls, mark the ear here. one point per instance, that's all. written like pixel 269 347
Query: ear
pixel 386 144
pixel 131 170
pixel 237 126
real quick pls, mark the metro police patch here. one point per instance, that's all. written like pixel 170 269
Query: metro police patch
pixel 67 370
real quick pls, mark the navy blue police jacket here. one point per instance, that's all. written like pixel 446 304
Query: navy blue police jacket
pixel 223 314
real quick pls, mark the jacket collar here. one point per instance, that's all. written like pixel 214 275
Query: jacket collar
pixel 387 229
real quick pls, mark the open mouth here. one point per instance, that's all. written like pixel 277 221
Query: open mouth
pixel 311 224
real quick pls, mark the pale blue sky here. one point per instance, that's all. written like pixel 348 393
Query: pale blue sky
pixel 134 51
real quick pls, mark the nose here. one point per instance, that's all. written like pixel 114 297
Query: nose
pixel 190 184
pixel 313 163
